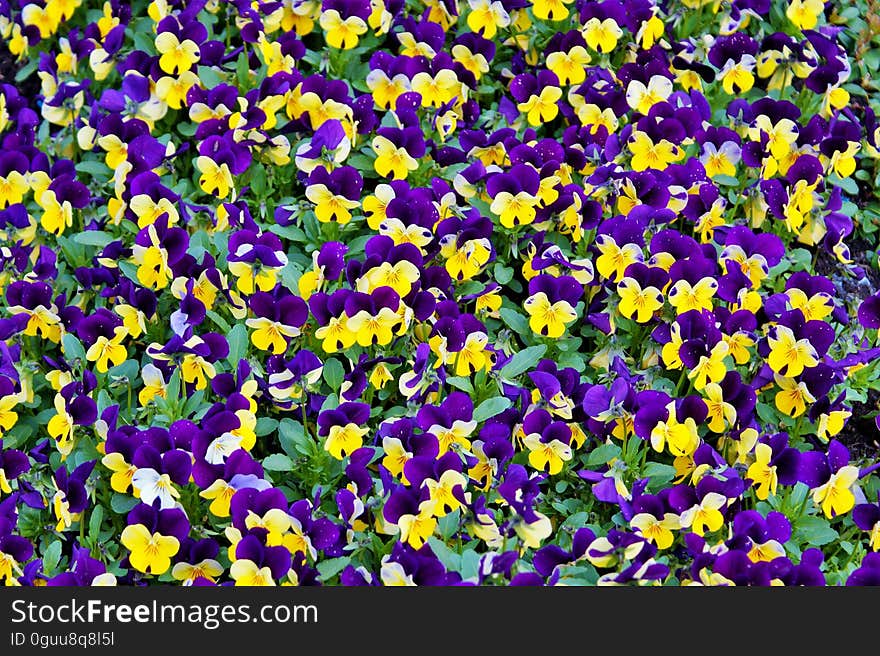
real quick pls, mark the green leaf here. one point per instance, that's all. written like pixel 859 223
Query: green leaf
pixel 801 257
pixel 330 403
pixel 575 360
pixel 814 531
pixel 449 523
pixel 491 407
pixel 193 403
pixel 450 559
pixel 95 521
pixel 210 77
pixel 51 556
pixel 186 128
pixel 725 180
pixel 798 494
pixel 238 344
pixel 361 162
pixel 25 71
pixel 122 503
pixel 293 438
pixel 356 245
pixel 470 565
pixel 93 168
pixel 334 374
pixel 847 184
pixel 503 274
pixel 128 369
pixel 469 287
pixel 242 71
pixel 130 271
pixel 331 567
pixel 578 575
pixel 515 321
pixel 577 520
pixel 222 324
pixel 104 401
pixel 73 252
pixel 265 426
pixel 603 454
pixel 462 383
pixel 290 276
pixel 258 180
pixel 767 413
pixel 659 473
pixel 143 40
pixel 93 238
pixel 19 434
pixel 291 232
pixel 278 462
pixel 73 348
pixel 523 360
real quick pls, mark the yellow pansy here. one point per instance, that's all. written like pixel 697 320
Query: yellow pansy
pixel 392 160
pixel 344 440
pixel 150 552
pixel 634 300
pixel 789 356
pixel 835 497
pixel 762 473
pixel 546 318
pixel 339 32
pixel 176 56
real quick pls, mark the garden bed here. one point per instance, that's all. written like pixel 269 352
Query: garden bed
pixel 439 293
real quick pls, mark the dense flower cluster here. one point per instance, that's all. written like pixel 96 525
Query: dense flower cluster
pixel 434 292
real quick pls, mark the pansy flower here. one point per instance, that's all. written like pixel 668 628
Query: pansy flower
pixel 14 552
pixel 548 441
pixel 537 96
pixel 72 408
pixel 238 471
pixel 197 559
pixel 194 355
pixel 413 513
pixel 276 320
pixel 465 245
pixel 514 195
pixel 551 304
pixel 344 22
pixel 156 249
pixel 34 300
pixel 374 318
pixel 70 497
pixel 397 150
pixel 334 194
pixel 13 463
pixel 867 517
pixel 734 56
pixel 343 428
pixel 600 33
pixel 640 291
pixel 255 260
pixel 177 45
pixel 830 478
pixel 157 474
pixel 796 344
pixel 153 537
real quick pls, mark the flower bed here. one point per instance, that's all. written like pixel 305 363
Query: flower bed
pixel 438 292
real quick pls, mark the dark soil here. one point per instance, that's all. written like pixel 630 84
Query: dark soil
pixel 860 433
pixel 28 87
pixel 848 286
